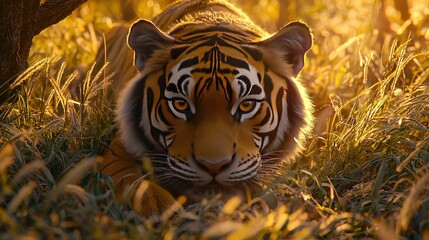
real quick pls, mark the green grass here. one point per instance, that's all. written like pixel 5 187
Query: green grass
pixel 364 174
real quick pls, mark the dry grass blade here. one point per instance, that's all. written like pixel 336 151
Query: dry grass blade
pixel 383 231
pixel 31 70
pixel 232 205
pixel 23 194
pixel 7 157
pixel 375 195
pixel 250 229
pixel 7 220
pixel 91 85
pixel 77 191
pixel 139 195
pixel 411 203
pixel 420 145
pixel 72 177
pixel 176 206
pixel 221 229
pixel 30 169
pixel 344 46
pixel 60 89
pixel 12 132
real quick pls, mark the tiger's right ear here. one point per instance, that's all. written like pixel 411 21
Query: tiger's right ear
pixel 145 38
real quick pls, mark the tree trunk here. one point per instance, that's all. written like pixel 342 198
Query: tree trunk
pixel 20 21
pixel 129 10
pixel 403 7
pixel 283 13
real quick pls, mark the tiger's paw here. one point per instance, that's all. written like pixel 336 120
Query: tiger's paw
pixel 151 200
pixel 144 196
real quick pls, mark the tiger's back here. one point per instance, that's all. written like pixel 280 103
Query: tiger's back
pixel 204 11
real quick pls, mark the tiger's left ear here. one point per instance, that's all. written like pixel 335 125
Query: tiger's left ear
pixel 145 38
pixel 291 42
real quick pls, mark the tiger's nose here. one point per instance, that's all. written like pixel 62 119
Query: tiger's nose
pixel 213 167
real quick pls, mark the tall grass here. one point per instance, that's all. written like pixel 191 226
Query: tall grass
pixel 364 174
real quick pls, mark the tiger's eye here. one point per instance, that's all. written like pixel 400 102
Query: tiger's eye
pixel 180 105
pixel 247 106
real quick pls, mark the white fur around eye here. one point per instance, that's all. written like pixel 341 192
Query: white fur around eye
pixel 243 92
pixel 185 86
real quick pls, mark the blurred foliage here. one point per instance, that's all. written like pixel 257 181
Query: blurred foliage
pixel 364 174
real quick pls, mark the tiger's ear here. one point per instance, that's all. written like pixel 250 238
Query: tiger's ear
pixel 291 42
pixel 145 38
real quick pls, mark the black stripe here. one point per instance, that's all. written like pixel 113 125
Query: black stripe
pixel 265 119
pixel 297 109
pixel 205 36
pixel 215 29
pixel 228 71
pixel 176 52
pixel 172 88
pixel 255 53
pixel 174 164
pixel 197 38
pixel 235 39
pixel 208 56
pixel 268 87
pixel 180 83
pixel 237 62
pixel 279 101
pixel 136 106
pixel 209 42
pixel 199 90
pixel 227 90
pixel 162 82
pixel 189 62
pixel 160 116
pixel 244 170
pixel 246 87
pixel 215 41
pixel 153 132
pixel 255 90
pixel 220 71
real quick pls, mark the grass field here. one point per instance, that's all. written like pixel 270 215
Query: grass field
pixel 364 173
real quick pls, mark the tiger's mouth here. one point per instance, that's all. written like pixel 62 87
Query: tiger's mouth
pixel 202 179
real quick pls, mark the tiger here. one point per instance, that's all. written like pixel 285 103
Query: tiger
pixel 217 105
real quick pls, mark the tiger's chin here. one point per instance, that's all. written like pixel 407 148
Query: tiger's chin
pixel 198 193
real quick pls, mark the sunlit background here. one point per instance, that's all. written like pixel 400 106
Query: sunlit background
pixel 350 37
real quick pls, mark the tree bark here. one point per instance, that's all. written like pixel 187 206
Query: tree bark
pixel 53 11
pixel 20 21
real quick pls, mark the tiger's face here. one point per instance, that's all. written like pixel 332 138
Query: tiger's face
pixel 217 111
pixel 213 111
